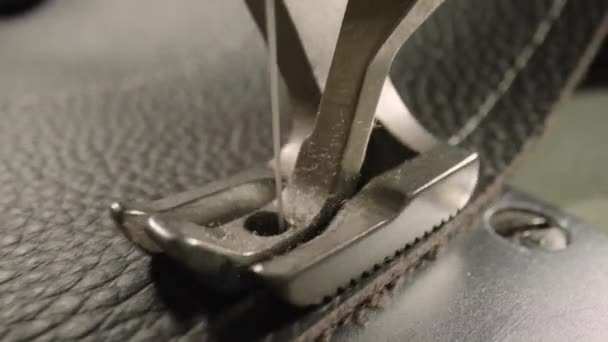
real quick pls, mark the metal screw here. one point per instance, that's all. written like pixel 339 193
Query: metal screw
pixel 529 229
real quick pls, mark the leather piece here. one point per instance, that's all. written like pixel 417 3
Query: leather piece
pixel 542 45
pixel 66 273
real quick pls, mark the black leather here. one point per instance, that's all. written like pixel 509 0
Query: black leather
pixel 177 99
pixel 17 7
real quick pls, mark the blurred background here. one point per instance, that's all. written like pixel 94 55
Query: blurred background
pixel 63 44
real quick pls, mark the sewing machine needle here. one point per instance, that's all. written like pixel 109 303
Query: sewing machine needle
pixel 271 31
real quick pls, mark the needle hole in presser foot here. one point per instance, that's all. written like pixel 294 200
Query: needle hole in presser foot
pixel 264 223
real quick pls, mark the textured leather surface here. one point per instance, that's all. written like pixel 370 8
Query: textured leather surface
pixel 97 106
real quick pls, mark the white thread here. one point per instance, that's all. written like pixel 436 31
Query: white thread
pixel 271 32
pixel 521 61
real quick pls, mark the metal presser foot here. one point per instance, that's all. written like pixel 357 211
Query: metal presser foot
pixel 346 206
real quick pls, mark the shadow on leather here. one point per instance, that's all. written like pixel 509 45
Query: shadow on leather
pixel 183 293
pixel 244 316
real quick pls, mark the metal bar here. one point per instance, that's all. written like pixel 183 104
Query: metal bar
pixel 307 35
pixel 329 161
pixel 389 213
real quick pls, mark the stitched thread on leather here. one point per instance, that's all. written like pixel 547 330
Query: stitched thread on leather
pixel 521 61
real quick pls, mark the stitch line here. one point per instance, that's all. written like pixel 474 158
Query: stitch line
pixel 521 61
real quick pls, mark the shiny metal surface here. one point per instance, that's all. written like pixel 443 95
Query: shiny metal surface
pixel 486 288
pixel 207 230
pixel 307 39
pixel 253 188
pixel 389 213
pixel 330 159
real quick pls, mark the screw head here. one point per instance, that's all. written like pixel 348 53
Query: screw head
pixel 529 229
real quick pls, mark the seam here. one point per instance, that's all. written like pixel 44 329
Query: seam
pixel 521 61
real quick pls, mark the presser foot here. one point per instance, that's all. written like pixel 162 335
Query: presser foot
pixel 227 232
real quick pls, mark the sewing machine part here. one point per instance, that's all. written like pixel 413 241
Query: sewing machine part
pixel 330 159
pixel 349 207
pixel 334 227
pixel 388 214
pixel 219 232
pixel 307 39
